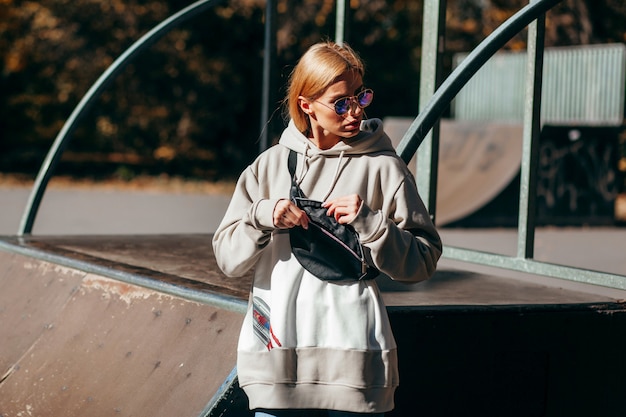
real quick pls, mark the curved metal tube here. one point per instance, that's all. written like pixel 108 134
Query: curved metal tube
pixel 462 74
pixel 54 154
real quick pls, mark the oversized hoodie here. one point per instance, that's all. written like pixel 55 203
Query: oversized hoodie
pixel 305 342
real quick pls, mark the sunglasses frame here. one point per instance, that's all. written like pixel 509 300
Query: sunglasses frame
pixel 350 100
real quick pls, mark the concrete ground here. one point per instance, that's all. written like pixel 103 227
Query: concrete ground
pixel 100 209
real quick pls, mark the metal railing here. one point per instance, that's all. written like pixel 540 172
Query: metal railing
pixel 419 135
pixel 62 139
pixel 422 134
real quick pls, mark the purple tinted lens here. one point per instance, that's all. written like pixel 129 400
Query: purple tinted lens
pixel 365 98
pixel 342 105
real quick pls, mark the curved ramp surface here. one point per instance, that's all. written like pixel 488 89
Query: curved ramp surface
pixel 476 162
pixel 79 344
pixel 147 326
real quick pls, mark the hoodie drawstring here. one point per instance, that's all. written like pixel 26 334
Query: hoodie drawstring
pixel 304 167
pixel 335 177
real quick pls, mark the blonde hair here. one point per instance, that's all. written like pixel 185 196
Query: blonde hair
pixel 316 70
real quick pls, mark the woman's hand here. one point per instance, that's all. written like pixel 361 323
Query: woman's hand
pixel 344 209
pixel 287 215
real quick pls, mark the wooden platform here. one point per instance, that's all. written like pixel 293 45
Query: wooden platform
pixel 147 325
pixel 186 262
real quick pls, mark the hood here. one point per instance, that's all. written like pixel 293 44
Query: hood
pixel 371 139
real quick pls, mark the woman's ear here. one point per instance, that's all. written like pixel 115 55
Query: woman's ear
pixel 305 105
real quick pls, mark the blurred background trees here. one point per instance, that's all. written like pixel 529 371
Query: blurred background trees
pixel 190 106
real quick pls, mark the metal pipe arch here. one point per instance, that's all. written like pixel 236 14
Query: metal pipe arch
pixel 64 135
pixel 451 86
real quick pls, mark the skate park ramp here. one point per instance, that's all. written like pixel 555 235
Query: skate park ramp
pixel 147 325
pixel 477 161
pixel 78 343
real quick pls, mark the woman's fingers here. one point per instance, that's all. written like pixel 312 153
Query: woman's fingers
pixel 288 215
pixel 344 209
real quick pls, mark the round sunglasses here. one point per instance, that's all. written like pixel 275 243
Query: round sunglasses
pixel 344 104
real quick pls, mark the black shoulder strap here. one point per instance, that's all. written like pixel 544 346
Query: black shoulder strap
pixel 293 159
pixel 291 163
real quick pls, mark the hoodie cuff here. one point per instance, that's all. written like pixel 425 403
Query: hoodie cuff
pixel 367 223
pixel 264 214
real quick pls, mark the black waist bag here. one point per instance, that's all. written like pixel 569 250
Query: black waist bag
pixel 327 249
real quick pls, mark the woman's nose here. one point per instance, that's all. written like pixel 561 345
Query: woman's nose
pixel 353 106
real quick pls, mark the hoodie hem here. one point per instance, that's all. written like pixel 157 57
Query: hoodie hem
pixel 317 396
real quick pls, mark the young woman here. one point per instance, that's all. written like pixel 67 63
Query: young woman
pixel 307 343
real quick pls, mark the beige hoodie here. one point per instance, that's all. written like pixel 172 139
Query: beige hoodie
pixel 308 343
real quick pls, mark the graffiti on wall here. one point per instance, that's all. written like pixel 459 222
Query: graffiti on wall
pixel 577 178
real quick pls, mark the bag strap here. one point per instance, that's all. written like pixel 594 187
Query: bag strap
pixel 291 164
pixel 293 159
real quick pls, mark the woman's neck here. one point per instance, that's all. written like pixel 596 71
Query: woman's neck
pixel 322 139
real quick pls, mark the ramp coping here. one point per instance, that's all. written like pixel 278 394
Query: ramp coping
pixel 218 300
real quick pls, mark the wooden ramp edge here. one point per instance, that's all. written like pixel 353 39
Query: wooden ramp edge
pixel 148 326
pixel 77 343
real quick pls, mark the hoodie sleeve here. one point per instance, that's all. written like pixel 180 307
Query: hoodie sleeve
pixel 403 244
pixel 246 227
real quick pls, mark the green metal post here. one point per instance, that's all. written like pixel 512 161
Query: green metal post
pixel 341 21
pixel 433 36
pixel 269 58
pixel 532 131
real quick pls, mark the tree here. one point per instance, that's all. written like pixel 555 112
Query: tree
pixel 190 105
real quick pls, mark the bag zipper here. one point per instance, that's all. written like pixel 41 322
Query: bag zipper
pixel 348 248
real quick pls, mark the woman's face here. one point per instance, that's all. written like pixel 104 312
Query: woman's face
pixel 327 127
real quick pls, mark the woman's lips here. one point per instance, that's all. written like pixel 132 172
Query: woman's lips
pixel 354 125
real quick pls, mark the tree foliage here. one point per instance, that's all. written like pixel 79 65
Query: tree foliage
pixel 191 104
